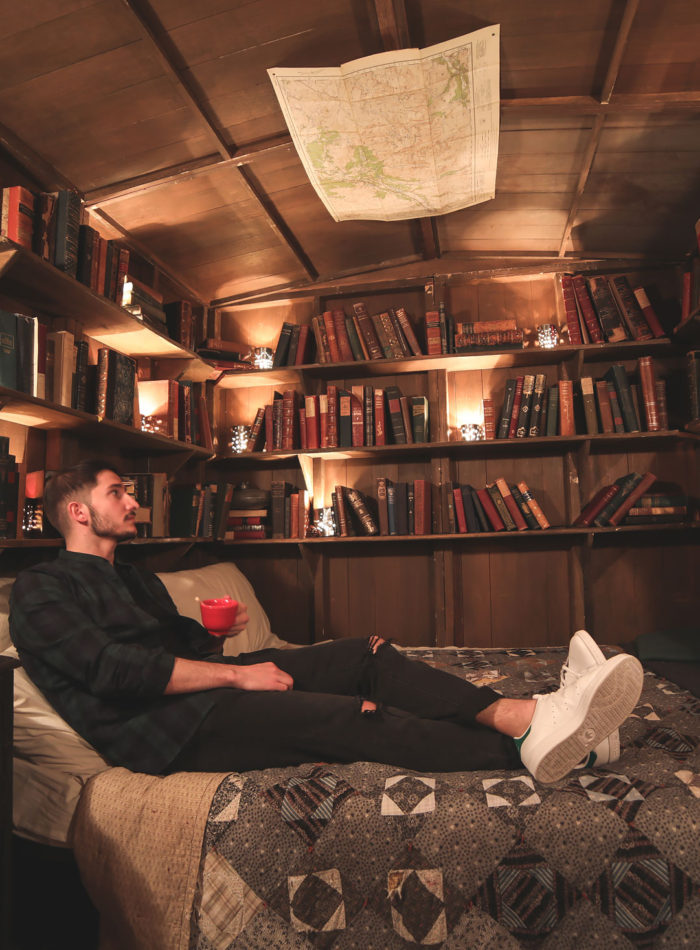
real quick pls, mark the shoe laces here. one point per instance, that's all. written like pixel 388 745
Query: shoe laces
pixel 568 672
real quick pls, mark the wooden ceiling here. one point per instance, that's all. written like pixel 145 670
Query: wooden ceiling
pixel 161 113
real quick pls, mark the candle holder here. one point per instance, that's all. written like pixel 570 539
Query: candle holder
pixel 324 523
pixel 262 357
pixel 547 336
pixel 156 424
pixel 472 431
pixel 239 439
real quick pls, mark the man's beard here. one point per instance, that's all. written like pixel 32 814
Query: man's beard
pixel 105 529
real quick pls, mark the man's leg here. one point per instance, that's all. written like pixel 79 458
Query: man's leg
pixel 256 730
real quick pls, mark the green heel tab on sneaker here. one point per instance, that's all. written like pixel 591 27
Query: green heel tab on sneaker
pixel 518 740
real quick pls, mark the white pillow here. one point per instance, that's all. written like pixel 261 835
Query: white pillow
pixel 218 580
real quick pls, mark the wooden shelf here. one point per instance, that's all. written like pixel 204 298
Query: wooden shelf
pixel 39 413
pixel 452 362
pixel 457 449
pixel 34 284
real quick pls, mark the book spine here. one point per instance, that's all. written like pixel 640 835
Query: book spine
pixel 379 417
pixel 648 312
pixel 407 418
pixel 512 507
pixel 584 302
pixel 625 486
pixel 661 403
pixel 422 503
pixel 380 330
pixel 506 409
pixel 302 355
pixel 490 510
pixel 523 421
pixel 408 331
pixel 354 340
pixel 570 310
pixel 332 426
pixel 382 505
pixel 537 405
pixel 533 505
pixel 647 379
pixel 607 310
pixel 319 331
pixel 618 376
pixel 369 525
pixel 589 409
pixel 567 425
pixel 367 330
pixel 256 431
pixel 552 410
pixel 646 481
pixel 524 507
pixel 282 348
pixel 515 412
pixel 395 415
pixel 357 415
pixel 329 323
pixel 629 307
pixel 604 408
pixel 618 421
pixel 592 508
pixel 312 422
pixel 433 338
pixel 501 508
pixel 460 514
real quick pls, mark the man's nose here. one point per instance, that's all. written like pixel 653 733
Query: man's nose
pixel 133 503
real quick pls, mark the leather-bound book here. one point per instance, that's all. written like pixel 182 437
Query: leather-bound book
pixel 368 412
pixel 323 420
pixel 333 348
pixel 357 415
pixel 515 412
pixel 361 508
pixel 533 505
pixel 647 381
pixel 393 397
pixel 256 438
pixel 368 332
pixel 282 348
pixel 404 347
pixel 501 508
pixel 605 305
pixel 585 305
pixel 589 409
pixel 571 310
pixel 524 508
pixel 408 331
pixel 534 423
pixel 567 425
pixel 382 503
pixel 490 510
pixel 511 505
pixel 304 346
pixel 341 335
pixel 422 494
pixel 344 418
pixel 629 308
pixel 506 409
pixel 460 513
pixel 639 488
pixel 617 375
pixel 595 505
pixel 626 484
pixel 312 422
pixel 407 417
pixel 354 339
pixel 604 408
pixel 648 312
pixel 523 422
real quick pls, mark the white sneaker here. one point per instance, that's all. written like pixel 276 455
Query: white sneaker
pixel 568 724
pixel 584 653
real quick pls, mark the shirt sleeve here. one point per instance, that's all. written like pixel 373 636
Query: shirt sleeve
pixel 50 629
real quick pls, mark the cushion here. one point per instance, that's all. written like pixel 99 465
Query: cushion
pixel 5 588
pixel 188 587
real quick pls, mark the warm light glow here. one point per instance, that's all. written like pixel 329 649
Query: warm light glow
pixel 472 431
pixel 155 424
pixel 239 439
pixel 547 336
pixel 262 356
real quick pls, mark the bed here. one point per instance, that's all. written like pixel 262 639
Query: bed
pixel 367 855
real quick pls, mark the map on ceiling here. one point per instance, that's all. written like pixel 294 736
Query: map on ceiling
pixel 404 134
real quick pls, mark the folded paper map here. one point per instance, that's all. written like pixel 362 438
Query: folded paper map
pixel 403 134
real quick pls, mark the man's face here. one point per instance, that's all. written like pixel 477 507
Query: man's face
pixel 112 508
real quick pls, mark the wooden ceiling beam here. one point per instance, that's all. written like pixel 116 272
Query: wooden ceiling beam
pixel 34 165
pixel 611 75
pixel 155 34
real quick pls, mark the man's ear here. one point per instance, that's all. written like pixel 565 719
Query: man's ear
pixel 78 512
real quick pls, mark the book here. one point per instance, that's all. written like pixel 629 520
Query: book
pixel 420 418
pixel 645 481
pixel 552 410
pixel 506 409
pixel 354 339
pixel 585 304
pixel 515 412
pixel 489 409
pixel 648 312
pixel 8 349
pixel 408 331
pixel 406 415
pixel 595 505
pixel 341 335
pixel 515 513
pixel 647 381
pixel 523 420
pixel 279 491
pixel 473 523
pixel 380 417
pixel 333 348
pixel 422 492
pixel 368 414
pixel 304 352
pixel 602 395
pixel 312 422
pixel 433 336
pixel 589 406
pixel 318 328
pixel 366 329
pixel 27 342
pixel 484 523
pixel 618 377
pixel 501 507
pixel 533 505
pixel 357 415
pixel 382 504
pixel 630 309
pixel 393 397
pixel 380 328
pixel 460 513
pixel 256 439
pixel 360 506
pixel 524 507
pixel 45 226
pixel 605 305
pixel 571 310
pixel 537 405
pixel 59 345
pixel 68 210
pixel 625 484
pixel 344 418
pixel 490 510
pixel 618 421
pixel 567 424
pixel 17 215
pixel 282 347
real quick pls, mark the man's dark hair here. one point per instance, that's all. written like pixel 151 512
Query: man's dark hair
pixel 68 483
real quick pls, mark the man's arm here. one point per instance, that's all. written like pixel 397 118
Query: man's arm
pixel 190 676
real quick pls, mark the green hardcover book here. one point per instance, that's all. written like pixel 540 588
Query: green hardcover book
pixel 393 398
pixel 523 426
pixel 419 415
pixel 552 410
pixel 626 484
pixel 354 339
pixel 8 349
pixel 618 377
pixel 506 409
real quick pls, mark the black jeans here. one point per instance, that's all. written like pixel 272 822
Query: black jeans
pixel 425 718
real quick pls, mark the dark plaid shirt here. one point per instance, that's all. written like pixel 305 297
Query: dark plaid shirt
pixel 100 642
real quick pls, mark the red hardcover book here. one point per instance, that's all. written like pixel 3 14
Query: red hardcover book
pixel 596 505
pixel 407 416
pixel 629 308
pixel 515 412
pixel 433 336
pixel 312 422
pixel 294 515
pixel 511 504
pixel 367 331
pixel 489 407
pixel 303 346
pixel 341 335
pixel 567 425
pixel 647 379
pixel 604 407
pixel 648 312
pixel 342 512
pixel 586 304
pixel 17 212
pixel 459 511
pixel 256 439
pixel 618 421
pixel 422 508
pixel 357 415
pixel 490 510
pixel 302 429
pixel 661 403
pixel 379 417
pixel 332 426
pixel 570 310
pixel 269 427
pixel 686 294
pixel 643 486
pixel 333 347
pixel 323 420
pixel 290 419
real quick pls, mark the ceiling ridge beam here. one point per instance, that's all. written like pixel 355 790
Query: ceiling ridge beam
pixel 612 72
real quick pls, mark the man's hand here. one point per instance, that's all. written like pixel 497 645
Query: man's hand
pixel 242 621
pixel 262 677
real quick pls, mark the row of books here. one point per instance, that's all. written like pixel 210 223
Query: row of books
pixel 498 506
pixel 338 418
pixel 613 403
pixel 607 309
pixel 631 500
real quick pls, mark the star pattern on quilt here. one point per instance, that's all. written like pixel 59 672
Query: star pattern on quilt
pixel 641 890
pixel 526 896
pixel 307 803
pixel 621 794
pixel 517 790
pixel 227 903
pixel 691 780
pixel 408 795
pixel 673 743
pixel 316 901
pixel 227 799
pixel 645 711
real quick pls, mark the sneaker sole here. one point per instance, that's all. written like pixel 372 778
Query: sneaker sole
pixel 606 708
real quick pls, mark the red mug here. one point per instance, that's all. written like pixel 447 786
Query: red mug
pixel 218 614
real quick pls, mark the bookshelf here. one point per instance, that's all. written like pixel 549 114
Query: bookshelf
pixel 440 588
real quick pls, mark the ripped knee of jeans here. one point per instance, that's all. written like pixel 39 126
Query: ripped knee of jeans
pixel 369 708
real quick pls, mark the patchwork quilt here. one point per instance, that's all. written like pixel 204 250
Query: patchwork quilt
pixel 373 856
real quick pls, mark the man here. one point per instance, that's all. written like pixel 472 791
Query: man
pixel 150 690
